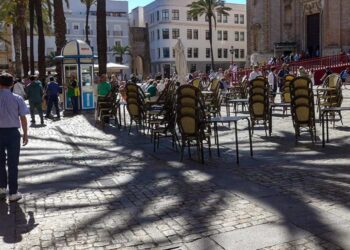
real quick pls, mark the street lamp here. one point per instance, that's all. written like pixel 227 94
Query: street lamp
pixel 232 51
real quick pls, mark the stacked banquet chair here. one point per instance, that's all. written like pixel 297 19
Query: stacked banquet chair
pixel 302 106
pixel 197 83
pixel 331 96
pixel 285 95
pixel 191 119
pixel 259 102
pixel 163 125
pixel 136 105
pixel 108 107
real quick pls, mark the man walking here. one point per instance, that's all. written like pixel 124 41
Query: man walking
pixel 35 94
pixel 13 112
pixel 52 92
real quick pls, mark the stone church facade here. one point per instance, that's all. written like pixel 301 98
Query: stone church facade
pixel 283 26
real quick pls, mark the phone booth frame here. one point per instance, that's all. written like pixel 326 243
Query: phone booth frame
pixel 78 59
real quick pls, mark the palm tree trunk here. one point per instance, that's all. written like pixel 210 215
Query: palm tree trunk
pixel 60 34
pixel 41 41
pixel 31 37
pixel 17 48
pixel 211 41
pixel 21 8
pixel 101 36
pixel 87 30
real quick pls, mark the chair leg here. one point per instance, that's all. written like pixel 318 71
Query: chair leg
pixel 130 126
pixel 158 139
pixel 153 136
pixel 202 151
pixel 189 148
pixel 182 150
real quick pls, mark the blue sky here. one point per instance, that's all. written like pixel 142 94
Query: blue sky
pixel 135 3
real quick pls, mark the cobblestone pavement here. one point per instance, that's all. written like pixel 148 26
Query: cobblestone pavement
pixel 87 188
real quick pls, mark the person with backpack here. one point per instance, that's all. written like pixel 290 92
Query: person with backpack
pixel 35 95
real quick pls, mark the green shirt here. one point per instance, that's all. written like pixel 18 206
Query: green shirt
pixel 35 92
pixel 104 88
pixel 152 90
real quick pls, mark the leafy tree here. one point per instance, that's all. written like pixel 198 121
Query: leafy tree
pixel 209 8
pixel 120 51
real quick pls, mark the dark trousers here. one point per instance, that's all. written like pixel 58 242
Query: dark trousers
pixel 53 101
pixel 10 144
pixel 36 106
pixel 74 100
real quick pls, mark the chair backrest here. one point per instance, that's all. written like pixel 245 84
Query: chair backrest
pixel 259 99
pixel 332 81
pixel 196 83
pixel 214 85
pixel 289 77
pixel 302 102
pixel 286 98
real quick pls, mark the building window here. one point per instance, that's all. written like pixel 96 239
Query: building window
pixel 236 19
pixel 152 18
pixel 118 43
pixel 241 19
pixel 189 34
pixel 75 26
pixel 206 18
pixel 225 35
pixel 176 14
pixel 219 53
pixel 165 33
pixel 157 15
pixel 236 53
pixel 219 35
pixel 207 52
pixel 165 15
pixel 195 52
pixel 193 68
pixel 241 36
pixel 158 34
pixel 189 52
pixel 242 54
pixel 236 36
pixel 219 18
pixel 224 19
pixel 176 33
pixel 158 52
pixel 152 35
pixel 195 34
pixel 189 17
pixel 207 35
pixel 173 53
pixel 225 53
pixel 166 52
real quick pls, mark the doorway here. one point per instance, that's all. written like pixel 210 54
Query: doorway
pixel 313 34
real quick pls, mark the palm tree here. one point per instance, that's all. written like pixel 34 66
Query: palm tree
pixel 209 8
pixel 88 4
pixel 31 37
pixel 22 21
pixel 120 51
pixel 41 40
pixel 101 36
pixel 60 33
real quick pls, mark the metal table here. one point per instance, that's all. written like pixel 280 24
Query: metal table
pixel 230 119
pixel 235 102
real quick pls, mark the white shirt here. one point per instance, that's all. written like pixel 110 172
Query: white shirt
pixel 19 89
pixel 271 78
pixel 254 74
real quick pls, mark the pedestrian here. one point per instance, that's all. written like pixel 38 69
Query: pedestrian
pixel 255 73
pixel 18 88
pixel 104 87
pixel 273 82
pixel 52 92
pixel 302 72
pixel 73 93
pixel 35 95
pixel 281 74
pixel 13 111
pixel 327 72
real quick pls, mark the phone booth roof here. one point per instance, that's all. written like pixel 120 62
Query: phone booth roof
pixel 76 49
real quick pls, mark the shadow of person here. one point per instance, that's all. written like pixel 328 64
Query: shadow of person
pixel 14 222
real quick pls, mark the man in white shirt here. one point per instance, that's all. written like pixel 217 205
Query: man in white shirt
pixel 255 73
pixel 18 88
pixel 273 82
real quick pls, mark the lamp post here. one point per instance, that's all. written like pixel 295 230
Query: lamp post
pixel 232 51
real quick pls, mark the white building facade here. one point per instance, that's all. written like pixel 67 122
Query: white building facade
pixel 117 28
pixel 168 20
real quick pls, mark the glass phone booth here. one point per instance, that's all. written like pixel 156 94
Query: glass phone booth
pixel 78 65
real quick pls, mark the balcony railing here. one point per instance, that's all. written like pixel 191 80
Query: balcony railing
pixel 118 33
